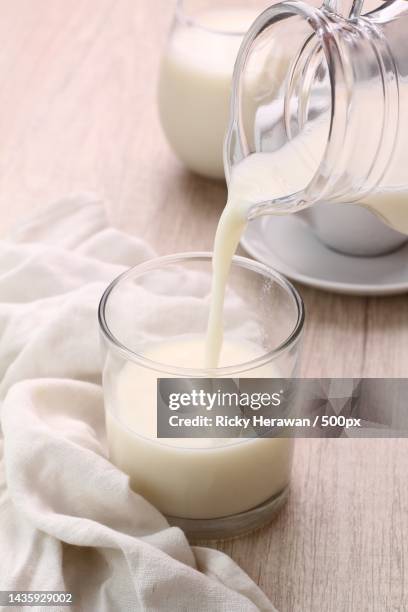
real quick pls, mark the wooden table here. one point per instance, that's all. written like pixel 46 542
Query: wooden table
pixel 77 112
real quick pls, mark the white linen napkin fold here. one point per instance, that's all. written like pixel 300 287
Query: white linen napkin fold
pixel 68 519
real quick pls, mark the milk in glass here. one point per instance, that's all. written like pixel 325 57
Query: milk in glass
pixel 195 85
pixel 200 478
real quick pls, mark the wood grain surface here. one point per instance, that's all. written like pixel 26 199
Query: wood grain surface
pixel 78 113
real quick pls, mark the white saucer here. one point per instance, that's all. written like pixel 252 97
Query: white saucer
pixel 287 244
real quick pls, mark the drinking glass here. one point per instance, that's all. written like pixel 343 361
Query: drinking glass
pixel 195 78
pixel 153 322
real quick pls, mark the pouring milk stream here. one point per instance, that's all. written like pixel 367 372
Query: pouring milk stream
pixel 253 180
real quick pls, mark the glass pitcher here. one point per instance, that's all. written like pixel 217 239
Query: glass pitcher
pixel 325 95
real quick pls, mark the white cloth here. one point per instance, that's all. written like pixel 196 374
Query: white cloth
pixel 68 520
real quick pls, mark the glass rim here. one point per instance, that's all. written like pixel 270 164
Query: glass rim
pixel 243 262
pixel 187 19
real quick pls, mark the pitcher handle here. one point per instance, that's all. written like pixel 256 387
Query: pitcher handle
pixel 342 8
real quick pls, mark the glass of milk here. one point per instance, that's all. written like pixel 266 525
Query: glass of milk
pixel 153 321
pixel 195 78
